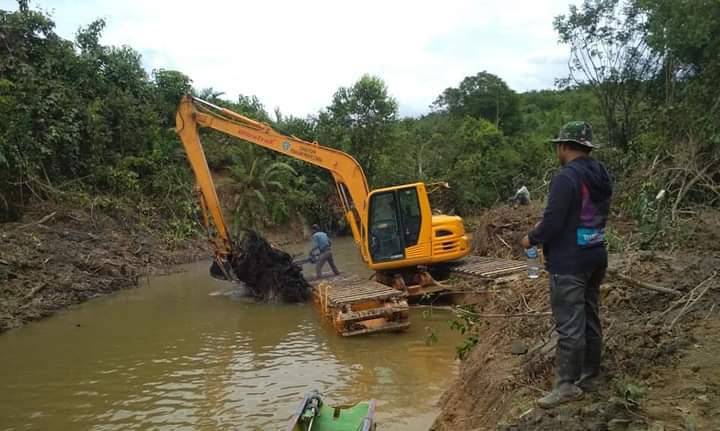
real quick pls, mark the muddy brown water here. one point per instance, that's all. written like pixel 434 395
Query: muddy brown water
pixel 171 356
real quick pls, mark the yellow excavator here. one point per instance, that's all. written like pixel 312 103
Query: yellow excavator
pixel 394 227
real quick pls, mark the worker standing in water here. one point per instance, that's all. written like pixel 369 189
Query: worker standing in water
pixel 572 233
pixel 322 250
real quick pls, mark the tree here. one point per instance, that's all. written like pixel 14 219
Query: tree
pixel 483 96
pixel 260 191
pixel 687 34
pixel 609 52
pixel 470 154
pixel 252 107
pixel 78 111
pixel 170 86
pixel 360 121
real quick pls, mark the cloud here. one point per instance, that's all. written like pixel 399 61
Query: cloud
pixel 296 54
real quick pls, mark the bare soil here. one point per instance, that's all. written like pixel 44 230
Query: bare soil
pixel 55 257
pixel 661 357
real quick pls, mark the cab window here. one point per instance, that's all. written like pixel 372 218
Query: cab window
pixel 409 215
pixel 394 224
pixel 384 236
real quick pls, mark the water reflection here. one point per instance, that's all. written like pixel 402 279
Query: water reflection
pixel 170 356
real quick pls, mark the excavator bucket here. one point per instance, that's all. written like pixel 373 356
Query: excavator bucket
pixel 221 270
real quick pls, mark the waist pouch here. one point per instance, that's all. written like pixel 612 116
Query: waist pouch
pixel 591 229
pixel 590 236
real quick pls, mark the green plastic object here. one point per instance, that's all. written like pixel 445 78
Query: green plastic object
pixel 310 417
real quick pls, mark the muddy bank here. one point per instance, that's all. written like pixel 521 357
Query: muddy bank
pixel 661 355
pixel 55 257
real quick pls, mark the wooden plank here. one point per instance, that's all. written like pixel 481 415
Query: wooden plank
pixel 372 313
pixel 375 287
pixel 359 295
pixel 366 288
pixel 338 280
pixel 353 300
pixel 489 267
pixel 363 296
pixel 391 326
pixel 352 294
pixel 498 272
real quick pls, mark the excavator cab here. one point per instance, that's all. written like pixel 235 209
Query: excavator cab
pixel 394 223
pixel 402 231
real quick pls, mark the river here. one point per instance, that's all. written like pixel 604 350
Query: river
pixel 170 355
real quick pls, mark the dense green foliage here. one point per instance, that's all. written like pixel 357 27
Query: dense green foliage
pixel 83 119
pixel 654 67
pixel 79 114
pixel 483 96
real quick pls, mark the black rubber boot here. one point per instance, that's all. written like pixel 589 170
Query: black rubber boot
pixel 567 371
pixel 591 365
pixel 588 384
pixel 564 393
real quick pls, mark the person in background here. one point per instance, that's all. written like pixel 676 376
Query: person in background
pixel 522 196
pixel 322 250
pixel 572 233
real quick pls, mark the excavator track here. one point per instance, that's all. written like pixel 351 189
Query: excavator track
pixel 357 306
pixel 488 267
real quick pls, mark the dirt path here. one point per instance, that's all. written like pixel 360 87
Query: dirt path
pixel 56 257
pixel 661 356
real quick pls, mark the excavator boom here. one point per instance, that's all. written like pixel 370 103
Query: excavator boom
pixel 194 113
pixel 393 227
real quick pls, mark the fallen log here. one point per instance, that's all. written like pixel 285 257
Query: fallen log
pixel 501 315
pixel 31 295
pixel 38 222
pixel 503 241
pixel 35 290
pixel 692 299
pixel 643 284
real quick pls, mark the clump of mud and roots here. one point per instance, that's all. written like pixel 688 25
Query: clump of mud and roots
pixel 661 355
pixel 268 272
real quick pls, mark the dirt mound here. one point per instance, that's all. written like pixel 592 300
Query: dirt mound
pixel 268 272
pixel 55 257
pixel 646 332
pixel 498 231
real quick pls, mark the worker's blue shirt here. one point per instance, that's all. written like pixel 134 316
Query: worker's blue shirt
pixel 321 242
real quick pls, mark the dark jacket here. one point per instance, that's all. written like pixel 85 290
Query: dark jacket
pixel 572 230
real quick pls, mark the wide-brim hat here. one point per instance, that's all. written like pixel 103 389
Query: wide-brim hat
pixel 578 132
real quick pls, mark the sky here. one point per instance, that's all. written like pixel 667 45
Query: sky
pixel 294 54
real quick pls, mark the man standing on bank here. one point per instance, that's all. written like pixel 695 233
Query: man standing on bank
pixel 572 233
pixel 322 250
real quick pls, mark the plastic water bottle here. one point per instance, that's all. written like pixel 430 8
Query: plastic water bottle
pixel 533 263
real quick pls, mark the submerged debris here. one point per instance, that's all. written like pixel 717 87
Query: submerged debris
pixel 268 272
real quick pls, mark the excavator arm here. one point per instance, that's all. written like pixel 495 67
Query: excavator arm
pixel 194 113
pixel 393 227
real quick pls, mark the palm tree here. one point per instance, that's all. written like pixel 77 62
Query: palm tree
pixel 260 191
